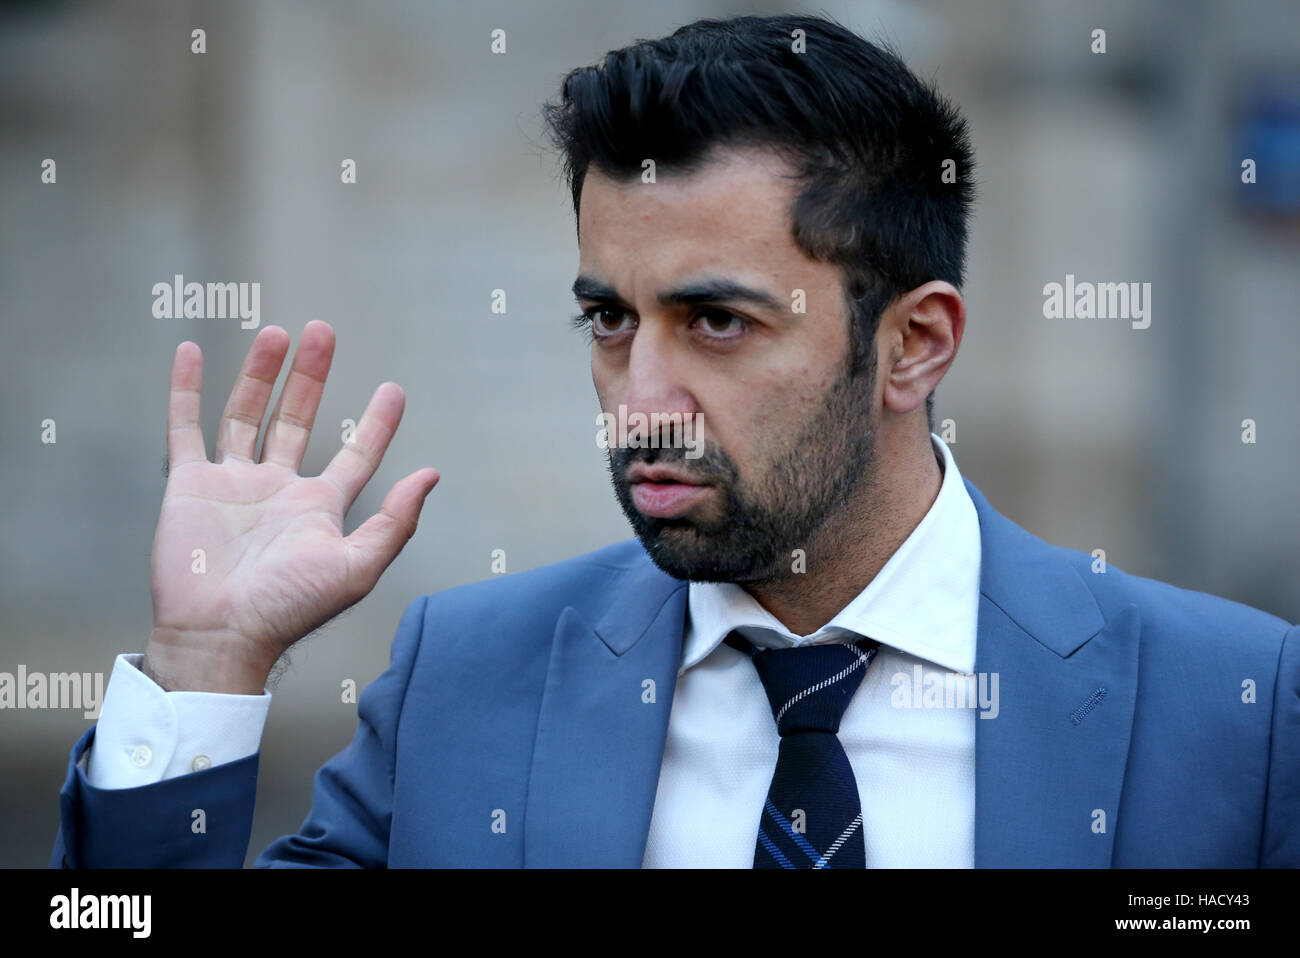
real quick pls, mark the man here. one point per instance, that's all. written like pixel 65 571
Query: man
pixel 823 649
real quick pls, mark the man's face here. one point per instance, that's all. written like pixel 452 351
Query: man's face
pixel 693 287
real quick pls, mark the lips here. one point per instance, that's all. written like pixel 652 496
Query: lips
pixel 659 474
pixel 662 493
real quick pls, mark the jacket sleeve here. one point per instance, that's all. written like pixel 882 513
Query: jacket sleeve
pixel 204 819
pixel 1280 847
pixel 352 800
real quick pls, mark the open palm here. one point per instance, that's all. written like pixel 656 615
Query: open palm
pixel 249 556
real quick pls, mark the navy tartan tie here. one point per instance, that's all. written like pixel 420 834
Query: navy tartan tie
pixel 812 816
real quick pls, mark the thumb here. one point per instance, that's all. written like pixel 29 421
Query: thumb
pixel 379 539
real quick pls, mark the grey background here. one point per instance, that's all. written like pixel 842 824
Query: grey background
pixel 225 167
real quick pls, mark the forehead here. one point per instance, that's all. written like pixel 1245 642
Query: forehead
pixel 733 212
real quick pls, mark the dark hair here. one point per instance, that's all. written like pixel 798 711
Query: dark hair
pixel 868 137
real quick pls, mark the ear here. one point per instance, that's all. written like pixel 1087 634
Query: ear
pixel 920 333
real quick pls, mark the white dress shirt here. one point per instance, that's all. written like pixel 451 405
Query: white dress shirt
pixel 914 765
pixel 145 735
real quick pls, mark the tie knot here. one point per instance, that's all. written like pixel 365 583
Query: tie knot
pixel 809 687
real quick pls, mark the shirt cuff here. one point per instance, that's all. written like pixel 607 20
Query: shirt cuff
pixel 145 734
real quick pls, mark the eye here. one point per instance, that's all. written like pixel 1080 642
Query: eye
pixel 720 324
pixel 606 321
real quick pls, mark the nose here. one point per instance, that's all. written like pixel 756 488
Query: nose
pixel 656 385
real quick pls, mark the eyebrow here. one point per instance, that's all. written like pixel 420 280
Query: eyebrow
pixel 709 289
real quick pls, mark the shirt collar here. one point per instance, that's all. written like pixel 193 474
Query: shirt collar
pixel 924 601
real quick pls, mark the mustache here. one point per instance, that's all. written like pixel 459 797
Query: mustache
pixel 712 465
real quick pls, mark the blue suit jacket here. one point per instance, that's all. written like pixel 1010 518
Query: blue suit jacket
pixel 510 730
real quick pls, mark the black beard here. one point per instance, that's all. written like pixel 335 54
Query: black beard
pixel 765 518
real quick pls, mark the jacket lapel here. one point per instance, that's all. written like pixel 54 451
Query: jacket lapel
pixel 1049 767
pixel 602 726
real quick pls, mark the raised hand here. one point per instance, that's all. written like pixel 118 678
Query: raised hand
pixel 249 556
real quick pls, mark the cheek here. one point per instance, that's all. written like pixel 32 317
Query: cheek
pixel 793 399
pixel 794 411
pixel 758 425
pixel 606 382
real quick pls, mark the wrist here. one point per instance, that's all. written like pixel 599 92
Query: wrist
pixel 185 661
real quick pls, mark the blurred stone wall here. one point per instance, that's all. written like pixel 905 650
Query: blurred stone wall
pixel 225 166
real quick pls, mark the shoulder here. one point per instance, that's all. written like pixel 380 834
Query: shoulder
pixel 1172 618
pixel 509 609
pixel 1183 629
pixel 1195 619
pixel 581 581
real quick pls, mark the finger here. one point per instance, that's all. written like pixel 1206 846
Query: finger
pixel 354 464
pixel 184 435
pixel 237 435
pixel 379 539
pixel 295 410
